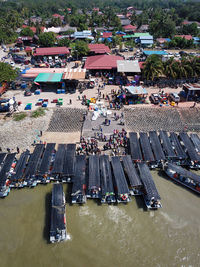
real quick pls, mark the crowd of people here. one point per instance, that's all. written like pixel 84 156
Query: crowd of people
pixel 114 143
pixel 88 146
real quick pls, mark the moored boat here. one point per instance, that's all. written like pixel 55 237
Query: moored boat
pixel 78 195
pixel 58 218
pixel 183 176
pixel 150 194
pixel 122 192
pixel 5 174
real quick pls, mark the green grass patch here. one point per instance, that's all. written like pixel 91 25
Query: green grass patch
pixel 38 113
pixel 19 116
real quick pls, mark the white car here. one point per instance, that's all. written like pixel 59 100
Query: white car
pixel 12 64
pixel 174 97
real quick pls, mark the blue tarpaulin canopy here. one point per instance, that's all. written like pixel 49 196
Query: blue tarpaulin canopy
pixel 156 52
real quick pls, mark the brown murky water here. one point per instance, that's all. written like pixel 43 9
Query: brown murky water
pixel 123 235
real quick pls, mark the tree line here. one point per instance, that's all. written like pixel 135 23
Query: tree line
pixel 187 67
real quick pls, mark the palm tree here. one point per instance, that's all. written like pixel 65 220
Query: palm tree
pixel 153 68
pixel 170 69
pixel 194 63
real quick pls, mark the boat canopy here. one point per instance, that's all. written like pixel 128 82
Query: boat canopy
pixel 149 185
pixel 79 177
pixel 196 141
pixel 34 161
pixel 167 145
pixel 130 170
pixel 6 168
pixel 69 160
pixel 46 160
pixel 135 149
pixel 106 175
pixel 58 209
pixel 177 146
pixel 189 147
pixel 146 147
pixel 2 157
pixel 184 172
pixel 94 173
pixel 20 166
pixel 59 158
pixel 156 146
pixel 119 177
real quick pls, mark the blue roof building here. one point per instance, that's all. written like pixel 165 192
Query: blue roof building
pixel 145 41
pixel 196 40
pixel 83 35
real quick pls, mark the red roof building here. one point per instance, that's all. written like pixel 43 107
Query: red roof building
pixel 33 28
pixel 58 16
pixel 130 28
pixel 51 51
pixel 187 37
pixel 107 34
pixel 99 48
pixel 185 22
pixel 102 62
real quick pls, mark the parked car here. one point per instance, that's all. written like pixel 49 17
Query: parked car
pixel 174 97
pixel 154 98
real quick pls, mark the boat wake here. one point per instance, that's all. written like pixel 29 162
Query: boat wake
pixel 68 237
pixel 118 215
pixel 177 223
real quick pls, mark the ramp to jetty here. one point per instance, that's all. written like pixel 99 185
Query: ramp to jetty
pixel 159 118
pixel 66 120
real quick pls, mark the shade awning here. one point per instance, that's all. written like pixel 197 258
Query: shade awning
pixel 192 86
pixel 48 77
pixel 136 90
pixel 128 66
pixel 74 74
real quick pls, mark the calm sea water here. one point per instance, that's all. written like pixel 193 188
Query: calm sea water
pixel 123 235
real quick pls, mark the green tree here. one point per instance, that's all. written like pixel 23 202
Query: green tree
pixel 7 73
pixel 82 27
pixel 47 39
pixel 64 42
pixel 163 27
pixel 55 22
pixel 180 42
pixel 153 67
pixel 116 40
pixel 130 43
pixel 195 65
pixel 67 18
pixel 81 49
pixel 27 32
pixel 191 29
pixel 170 68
